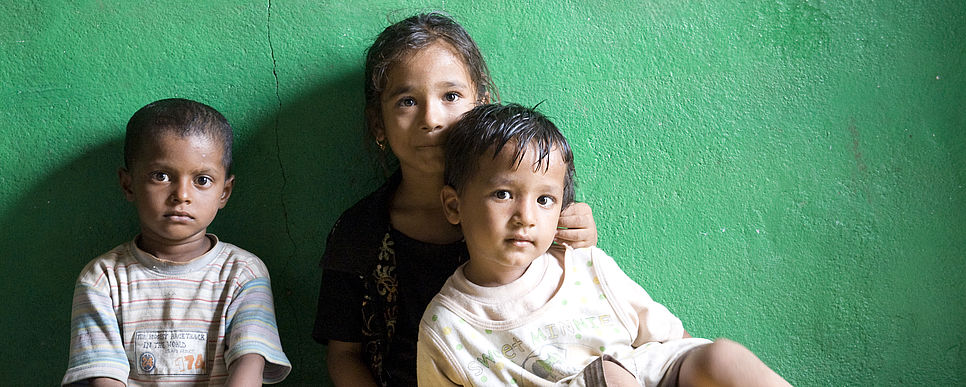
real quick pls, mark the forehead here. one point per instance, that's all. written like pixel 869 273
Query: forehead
pixel 551 170
pixel 435 65
pixel 169 147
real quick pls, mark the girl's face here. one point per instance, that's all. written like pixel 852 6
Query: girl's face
pixel 424 96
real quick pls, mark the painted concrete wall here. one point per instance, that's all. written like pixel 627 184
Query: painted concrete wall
pixel 789 174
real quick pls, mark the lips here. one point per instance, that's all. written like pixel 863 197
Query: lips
pixel 179 216
pixel 520 241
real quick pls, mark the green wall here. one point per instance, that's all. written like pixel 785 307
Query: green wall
pixel 788 174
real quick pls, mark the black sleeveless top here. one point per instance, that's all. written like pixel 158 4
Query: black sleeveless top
pixel 376 282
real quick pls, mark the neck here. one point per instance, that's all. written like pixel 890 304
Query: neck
pixel 417 211
pixel 419 190
pixel 179 252
pixel 482 274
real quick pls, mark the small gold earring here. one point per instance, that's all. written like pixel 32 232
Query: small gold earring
pixel 381 145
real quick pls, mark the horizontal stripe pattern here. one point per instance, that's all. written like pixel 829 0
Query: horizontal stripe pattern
pixel 226 293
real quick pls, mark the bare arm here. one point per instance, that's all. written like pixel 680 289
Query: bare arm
pixel 576 227
pixel 246 371
pixel 106 382
pixel 346 367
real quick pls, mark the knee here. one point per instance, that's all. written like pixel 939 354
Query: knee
pixel 616 375
pixel 714 361
pixel 723 350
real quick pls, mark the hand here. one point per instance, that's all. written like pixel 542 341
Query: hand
pixel 346 365
pixel 576 227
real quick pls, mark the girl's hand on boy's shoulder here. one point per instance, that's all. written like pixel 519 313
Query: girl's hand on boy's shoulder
pixel 576 227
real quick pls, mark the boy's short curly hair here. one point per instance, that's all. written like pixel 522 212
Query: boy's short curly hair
pixel 485 130
pixel 182 117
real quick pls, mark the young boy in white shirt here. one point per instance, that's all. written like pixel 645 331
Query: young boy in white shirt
pixel 517 315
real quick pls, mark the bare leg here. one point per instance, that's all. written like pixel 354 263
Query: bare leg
pixel 617 376
pixel 726 363
pixel 605 371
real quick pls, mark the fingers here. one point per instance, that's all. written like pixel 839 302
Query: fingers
pixel 576 237
pixel 557 251
pixel 577 227
pixel 577 209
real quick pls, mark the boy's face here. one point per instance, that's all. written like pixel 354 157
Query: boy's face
pixel 508 215
pixel 178 184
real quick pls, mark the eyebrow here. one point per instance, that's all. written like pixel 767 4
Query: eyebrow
pixel 207 170
pixel 406 88
pixel 403 89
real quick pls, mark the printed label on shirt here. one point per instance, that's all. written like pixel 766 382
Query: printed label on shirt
pixel 171 352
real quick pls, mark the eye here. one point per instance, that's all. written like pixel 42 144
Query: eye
pixel 204 181
pixel 407 102
pixel 502 194
pixel 546 200
pixel 159 176
pixel 451 96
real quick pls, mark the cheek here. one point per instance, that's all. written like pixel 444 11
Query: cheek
pixel 550 222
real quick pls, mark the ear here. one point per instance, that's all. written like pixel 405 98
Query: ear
pixel 375 121
pixel 124 178
pixel 226 192
pixel 379 131
pixel 451 204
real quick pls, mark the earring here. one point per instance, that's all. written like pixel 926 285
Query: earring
pixel 382 146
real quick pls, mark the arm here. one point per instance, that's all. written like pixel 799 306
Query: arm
pixel 346 367
pixel 96 348
pixel 576 227
pixel 254 331
pixel 654 321
pixel 106 382
pixel 246 371
pixel 435 367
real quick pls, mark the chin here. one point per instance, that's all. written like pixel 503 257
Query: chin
pixel 521 260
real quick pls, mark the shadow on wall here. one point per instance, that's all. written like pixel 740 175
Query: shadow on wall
pixel 296 172
pixel 76 213
pixel 294 177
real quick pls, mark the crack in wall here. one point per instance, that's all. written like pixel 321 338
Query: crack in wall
pixel 278 146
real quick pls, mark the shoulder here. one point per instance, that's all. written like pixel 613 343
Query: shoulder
pixel 598 264
pixel 239 262
pixel 101 267
pixel 592 257
pixel 437 317
pixel 445 306
pixel 355 238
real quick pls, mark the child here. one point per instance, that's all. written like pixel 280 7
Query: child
pixel 514 314
pixel 175 305
pixel 390 253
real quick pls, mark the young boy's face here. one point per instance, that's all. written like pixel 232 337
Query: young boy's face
pixel 178 184
pixel 508 215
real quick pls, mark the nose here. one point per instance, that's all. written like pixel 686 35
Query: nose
pixel 434 116
pixel 525 213
pixel 181 192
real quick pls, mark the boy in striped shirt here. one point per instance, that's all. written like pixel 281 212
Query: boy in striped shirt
pixel 175 306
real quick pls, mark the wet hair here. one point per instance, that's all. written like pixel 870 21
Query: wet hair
pixel 399 41
pixel 487 129
pixel 181 117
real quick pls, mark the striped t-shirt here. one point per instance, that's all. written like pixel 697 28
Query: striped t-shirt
pixel 145 321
